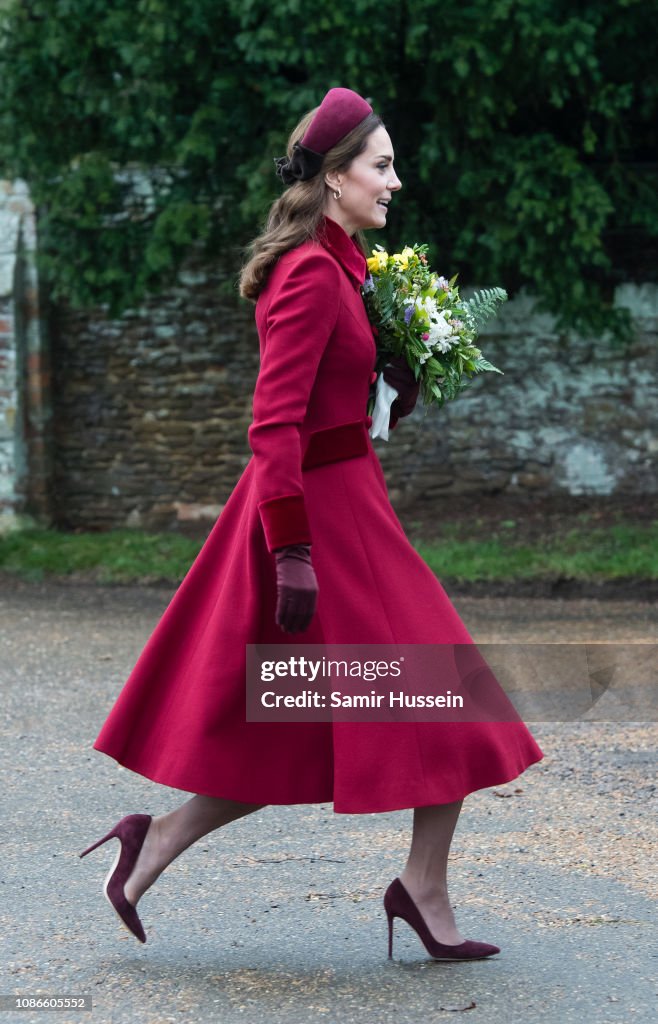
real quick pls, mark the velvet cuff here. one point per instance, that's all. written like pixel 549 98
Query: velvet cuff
pixel 285 521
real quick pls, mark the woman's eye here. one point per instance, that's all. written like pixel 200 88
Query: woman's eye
pixel 382 166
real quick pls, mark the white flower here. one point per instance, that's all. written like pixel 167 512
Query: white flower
pixel 441 334
pixel 444 344
pixel 427 306
pixel 439 329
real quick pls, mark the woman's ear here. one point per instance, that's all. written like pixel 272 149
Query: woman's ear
pixel 333 180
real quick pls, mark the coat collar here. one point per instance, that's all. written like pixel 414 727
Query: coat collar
pixel 336 241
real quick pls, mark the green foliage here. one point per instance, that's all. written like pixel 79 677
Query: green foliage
pixel 525 133
pixel 114 556
pixel 386 300
pixel 623 551
pixel 420 316
pixel 465 551
pixel 483 306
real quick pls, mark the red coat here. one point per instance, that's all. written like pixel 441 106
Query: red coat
pixel 313 477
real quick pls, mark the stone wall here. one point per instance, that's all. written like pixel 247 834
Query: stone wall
pixel 25 469
pixel 151 412
pixel 569 416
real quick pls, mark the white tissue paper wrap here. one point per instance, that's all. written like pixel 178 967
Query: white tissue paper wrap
pixel 385 397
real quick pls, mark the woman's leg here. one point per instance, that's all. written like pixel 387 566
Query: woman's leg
pixel 425 876
pixel 172 833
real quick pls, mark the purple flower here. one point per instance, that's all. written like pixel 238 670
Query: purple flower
pixel 369 284
pixel 409 312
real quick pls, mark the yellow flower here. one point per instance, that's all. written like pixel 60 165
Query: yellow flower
pixel 402 258
pixel 377 262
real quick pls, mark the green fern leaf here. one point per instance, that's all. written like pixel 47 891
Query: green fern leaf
pixel 484 364
pixel 483 306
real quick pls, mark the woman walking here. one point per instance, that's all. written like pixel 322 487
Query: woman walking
pixel 297 556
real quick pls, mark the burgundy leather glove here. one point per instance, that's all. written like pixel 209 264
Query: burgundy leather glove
pixel 296 588
pixel 400 376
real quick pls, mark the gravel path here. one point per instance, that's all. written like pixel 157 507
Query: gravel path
pixel 279 917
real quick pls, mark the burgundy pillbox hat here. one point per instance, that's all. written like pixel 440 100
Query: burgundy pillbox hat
pixel 341 110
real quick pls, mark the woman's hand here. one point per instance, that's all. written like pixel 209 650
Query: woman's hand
pixel 296 588
pixel 400 376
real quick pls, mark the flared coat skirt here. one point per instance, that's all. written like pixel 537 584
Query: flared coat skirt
pixel 181 720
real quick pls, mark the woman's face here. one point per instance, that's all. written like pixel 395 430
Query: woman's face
pixel 366 187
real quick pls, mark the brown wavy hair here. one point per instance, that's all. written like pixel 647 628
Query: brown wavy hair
pixel 296 215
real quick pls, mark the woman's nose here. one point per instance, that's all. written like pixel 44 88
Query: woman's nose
pixel 394 183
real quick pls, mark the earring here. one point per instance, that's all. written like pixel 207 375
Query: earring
pixel 337 193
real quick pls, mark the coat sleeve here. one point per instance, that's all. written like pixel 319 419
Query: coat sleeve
pixel 301 317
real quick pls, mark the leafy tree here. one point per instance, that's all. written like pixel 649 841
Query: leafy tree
pixel 525 133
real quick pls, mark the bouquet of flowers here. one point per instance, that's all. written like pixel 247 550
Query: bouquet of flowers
pixel 420 315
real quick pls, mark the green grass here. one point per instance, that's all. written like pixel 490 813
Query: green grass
pixel 465 552
pixel 118 556
pixel 620 551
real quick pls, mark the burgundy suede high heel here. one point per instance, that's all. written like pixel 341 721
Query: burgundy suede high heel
pixel 398 903
pixel 131 833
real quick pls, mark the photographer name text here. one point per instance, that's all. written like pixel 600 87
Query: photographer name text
pixel 338 699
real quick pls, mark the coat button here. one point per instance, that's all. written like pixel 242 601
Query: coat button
pixel 368 422
pixel 373 377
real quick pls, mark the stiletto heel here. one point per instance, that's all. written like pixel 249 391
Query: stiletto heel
pixel 398 903
pixel 131 833
pixel 110 835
